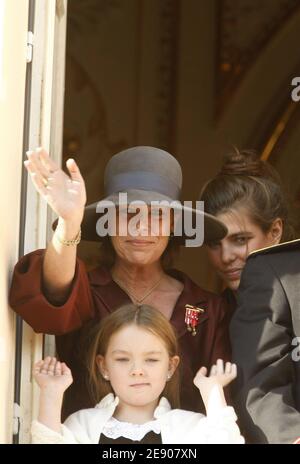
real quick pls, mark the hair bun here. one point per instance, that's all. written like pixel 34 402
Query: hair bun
pixel 247 163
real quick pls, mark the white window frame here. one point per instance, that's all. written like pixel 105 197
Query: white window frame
pixel 46 129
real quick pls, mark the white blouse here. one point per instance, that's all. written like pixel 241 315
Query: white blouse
pixel 116 429
pixel 175 426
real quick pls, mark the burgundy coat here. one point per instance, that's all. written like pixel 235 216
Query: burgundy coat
pixel 94 295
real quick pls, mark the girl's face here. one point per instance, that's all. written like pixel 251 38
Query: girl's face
pixel 228 256
pixel 137 364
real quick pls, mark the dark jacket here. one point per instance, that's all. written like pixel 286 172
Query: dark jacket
pixel 263 331
pixel 94 295
pixel 229 299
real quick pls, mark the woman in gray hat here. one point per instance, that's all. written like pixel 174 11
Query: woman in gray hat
pixel 54 293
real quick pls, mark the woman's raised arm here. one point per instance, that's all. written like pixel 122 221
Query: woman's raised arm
pixel 66 196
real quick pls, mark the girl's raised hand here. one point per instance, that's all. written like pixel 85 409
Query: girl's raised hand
pixel 218 375
pixel 65 194
pixel 52 374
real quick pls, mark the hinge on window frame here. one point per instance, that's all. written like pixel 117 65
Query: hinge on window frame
pixel 17 415
pixel 30 38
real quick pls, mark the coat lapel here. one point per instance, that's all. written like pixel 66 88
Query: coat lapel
pixel 110 294
pixel 112 297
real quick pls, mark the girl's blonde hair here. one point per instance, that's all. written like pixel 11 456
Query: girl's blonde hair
pixel 142 316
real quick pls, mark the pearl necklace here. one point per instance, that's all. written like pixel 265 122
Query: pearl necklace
pixel 133 297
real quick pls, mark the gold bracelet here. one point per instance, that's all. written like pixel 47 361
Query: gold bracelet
pixel 75 241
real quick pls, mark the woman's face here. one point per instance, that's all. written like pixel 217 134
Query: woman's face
pixel 147 235
pixel 228 256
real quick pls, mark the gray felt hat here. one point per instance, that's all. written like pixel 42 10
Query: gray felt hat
pixel 146 174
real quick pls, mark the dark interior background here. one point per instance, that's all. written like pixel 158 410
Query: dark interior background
pixel 191 76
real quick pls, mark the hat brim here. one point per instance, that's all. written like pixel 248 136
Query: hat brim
pixel 214 229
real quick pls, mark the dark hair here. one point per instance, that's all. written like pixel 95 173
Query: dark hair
pixel 143 316
pixel 246 180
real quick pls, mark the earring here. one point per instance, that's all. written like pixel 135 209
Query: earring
pixel 106 377
pixel 169 376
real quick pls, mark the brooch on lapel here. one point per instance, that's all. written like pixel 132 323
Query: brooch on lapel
pixel 192 314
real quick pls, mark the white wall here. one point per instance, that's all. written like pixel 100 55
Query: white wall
pixel 13 39
pixel 45 129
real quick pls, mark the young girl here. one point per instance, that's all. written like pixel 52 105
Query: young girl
pixel 133 378
pixel 248 197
